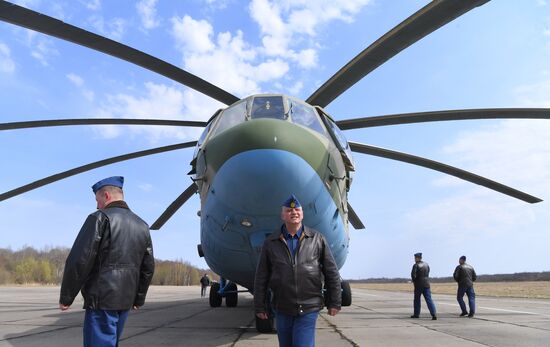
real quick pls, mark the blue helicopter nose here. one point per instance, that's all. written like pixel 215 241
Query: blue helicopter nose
pixel 243 207
pixel 258 181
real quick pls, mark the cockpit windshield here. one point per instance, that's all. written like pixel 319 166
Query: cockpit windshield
pixel 230 117
pixel 268 107
pixel 306 115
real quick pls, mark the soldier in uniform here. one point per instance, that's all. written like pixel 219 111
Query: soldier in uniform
pixel 420 277
pixel 293 262
pixel 111 263
pixel 465 276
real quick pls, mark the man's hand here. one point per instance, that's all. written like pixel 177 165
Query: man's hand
pixel 135 307
pixel 262 315
pixel 333 311
pixel 64 307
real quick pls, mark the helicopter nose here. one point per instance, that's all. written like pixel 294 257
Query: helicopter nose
pixel 258 181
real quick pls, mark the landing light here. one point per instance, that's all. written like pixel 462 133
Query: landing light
pixel 246 223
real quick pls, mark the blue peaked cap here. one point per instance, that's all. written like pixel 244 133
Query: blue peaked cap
pixel 116 181
pixel 292 202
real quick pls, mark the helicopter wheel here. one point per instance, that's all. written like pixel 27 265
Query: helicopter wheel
pixel 215 298
pixel 231 299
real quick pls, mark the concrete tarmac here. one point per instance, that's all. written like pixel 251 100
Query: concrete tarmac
pixel 177 316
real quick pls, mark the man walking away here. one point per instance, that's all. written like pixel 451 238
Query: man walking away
pixel 420 277
pixel 465 276
pixel 111 263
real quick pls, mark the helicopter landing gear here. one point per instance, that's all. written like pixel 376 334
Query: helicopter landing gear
pixel 224 289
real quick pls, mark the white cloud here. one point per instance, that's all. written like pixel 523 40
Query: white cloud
pixel 94 5
pixel 192 35
pixel 157 102
pixel 148 13
pixel 113 29
pixel 42 48
pixel 6 62
pixel 75 79
pixel 79 83
pixel 286 25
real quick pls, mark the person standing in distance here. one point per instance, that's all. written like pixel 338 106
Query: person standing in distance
pixel 293 262
pixel 420 277
pixel 205 282
pixel 465 276
pixel 111 263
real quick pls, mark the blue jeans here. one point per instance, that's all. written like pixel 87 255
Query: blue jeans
pixel 427 296
pixel 296 331
pixel 103 328
pixel 471 299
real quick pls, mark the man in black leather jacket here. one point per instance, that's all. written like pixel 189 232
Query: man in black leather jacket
pixel 420 277
pixel 111 263
pixel 293 263
pixel 465 276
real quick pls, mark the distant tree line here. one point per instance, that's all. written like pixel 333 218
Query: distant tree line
pixel 31 266
pixel 515 277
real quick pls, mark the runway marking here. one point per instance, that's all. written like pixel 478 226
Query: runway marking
pixel 501 309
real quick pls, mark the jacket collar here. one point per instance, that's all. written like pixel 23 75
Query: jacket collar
pixel 118 203
pixel 278 235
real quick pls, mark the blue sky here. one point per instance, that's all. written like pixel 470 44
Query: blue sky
pixel 497 55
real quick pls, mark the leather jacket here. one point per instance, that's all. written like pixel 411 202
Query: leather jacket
pixel 111 261
pixel 465 275
pixel 297 282
pixel 420 275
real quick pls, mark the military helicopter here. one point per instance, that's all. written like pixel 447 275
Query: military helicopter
pixel 259 149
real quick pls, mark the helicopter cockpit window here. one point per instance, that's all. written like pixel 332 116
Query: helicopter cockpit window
pixel 230 117
pixel 306 116
pixel 202 138
pixel 268 107
pixel 342 142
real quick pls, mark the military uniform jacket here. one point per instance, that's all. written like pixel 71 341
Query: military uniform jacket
pixel 465 275
pixel 420 275
pixel 111 261
pixel 297 282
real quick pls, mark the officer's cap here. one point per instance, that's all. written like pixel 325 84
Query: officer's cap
pixel 463 258
pixel 115 181
pixel 418 255
pixel 292 202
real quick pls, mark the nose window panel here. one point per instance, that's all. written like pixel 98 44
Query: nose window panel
pixel 268 107
pixel 230 117
pixel 306 116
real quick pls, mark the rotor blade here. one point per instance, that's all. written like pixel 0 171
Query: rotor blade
pixel 94 121
pixel 451 170
pixel 353 218
pixel 88 167
pixel 36 21
pixel 435 116
pixel 428 19
pixel 174 206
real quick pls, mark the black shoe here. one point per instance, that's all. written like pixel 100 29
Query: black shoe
pixel 471 315
pixel 413 316
pixel 463 314
pixel 434 318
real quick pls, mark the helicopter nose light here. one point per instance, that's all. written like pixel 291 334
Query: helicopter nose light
pixel 246 223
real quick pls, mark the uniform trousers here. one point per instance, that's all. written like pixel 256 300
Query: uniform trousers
pixel 103 328
pixel 469 291
pixel 296 331
pixel 427 296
